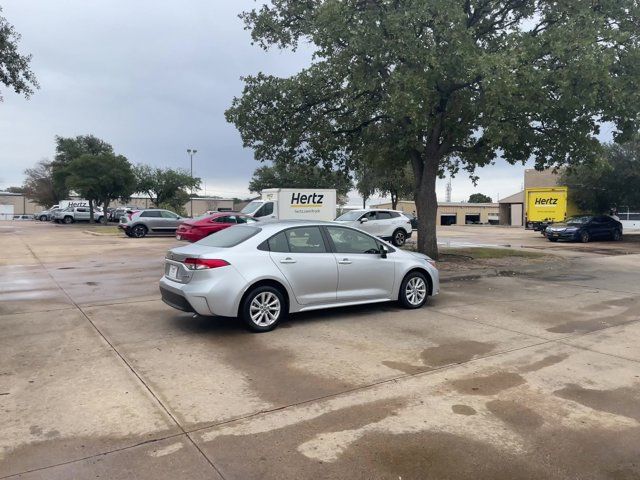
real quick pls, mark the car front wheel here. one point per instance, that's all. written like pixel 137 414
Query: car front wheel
pixel 139 231
pixel 585 237
pixel 43 218
pixel 263 308
pixel 414 290
pixel 68 220
pixel 399 238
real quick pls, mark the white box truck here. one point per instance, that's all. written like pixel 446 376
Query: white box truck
pixel 294 203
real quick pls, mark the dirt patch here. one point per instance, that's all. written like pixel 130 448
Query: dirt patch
pixel 545 362
pixel 442 355
pixel 620 401
pixel 405 367
pixel 515 414
pixel 463 410
pixel 489 384
pixel 458 352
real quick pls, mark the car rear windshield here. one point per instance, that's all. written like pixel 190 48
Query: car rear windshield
pixel 229 237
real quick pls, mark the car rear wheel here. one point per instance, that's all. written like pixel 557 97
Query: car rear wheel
pixel 585 237
pixel 414 290
pixel 617 235
pixel 399 238
pixel 43 218
pixel 263 308
pixel 139 231
pixel 68 220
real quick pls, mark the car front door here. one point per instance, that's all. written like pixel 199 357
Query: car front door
pixel 152 219
pixel 368 223
pixel 169 221
pixel 362 272
pixel 305 261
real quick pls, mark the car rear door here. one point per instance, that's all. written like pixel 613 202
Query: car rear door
pixel 362 272
pixel 304 259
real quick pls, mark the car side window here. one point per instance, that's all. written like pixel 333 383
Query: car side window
pixel 278 243
pixel 369 216
pixel 346 240
pixel 151 213
pixel 305 240
pixel 170 215
pixel 383 216
pixel 224 219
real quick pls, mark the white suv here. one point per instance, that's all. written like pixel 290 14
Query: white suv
pixel 386 224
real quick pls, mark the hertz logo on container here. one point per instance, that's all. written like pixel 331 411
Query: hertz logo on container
pixel 311 200
pixel 545 201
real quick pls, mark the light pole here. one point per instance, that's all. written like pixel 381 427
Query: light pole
pixel 191 152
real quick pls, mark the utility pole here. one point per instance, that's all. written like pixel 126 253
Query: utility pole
pixel 191 152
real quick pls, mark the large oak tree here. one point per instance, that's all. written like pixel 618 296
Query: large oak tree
pixel 443 85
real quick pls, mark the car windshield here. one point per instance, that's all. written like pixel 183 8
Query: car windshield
pixel 229 237
pixel 349 216
pixel 251 207
pixel 577 220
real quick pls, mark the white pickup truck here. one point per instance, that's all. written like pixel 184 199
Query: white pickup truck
pixel 76 214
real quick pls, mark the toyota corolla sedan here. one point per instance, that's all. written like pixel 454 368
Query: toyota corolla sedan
pixel 262 272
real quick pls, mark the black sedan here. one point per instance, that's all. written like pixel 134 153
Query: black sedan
pixel 585 228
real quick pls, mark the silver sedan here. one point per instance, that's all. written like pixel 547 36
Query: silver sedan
pixel 262 273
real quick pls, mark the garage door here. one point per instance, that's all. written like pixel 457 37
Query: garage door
pixel 448 219
pixel 471 218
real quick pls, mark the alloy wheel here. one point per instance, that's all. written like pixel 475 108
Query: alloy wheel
pixel 399 238
pixel 139 231
pixel 416 291
pixel 265 309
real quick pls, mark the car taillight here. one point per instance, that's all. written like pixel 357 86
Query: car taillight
pixel 204 263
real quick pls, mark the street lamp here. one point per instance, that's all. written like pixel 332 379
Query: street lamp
pixel 191 152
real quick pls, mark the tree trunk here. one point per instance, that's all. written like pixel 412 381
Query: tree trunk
pixel 427 208
pixel 90 211
pixel 394 200
pixel 105 205
pixel 364 202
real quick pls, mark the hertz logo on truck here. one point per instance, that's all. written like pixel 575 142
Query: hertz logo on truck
pixel 310 200
pixel 545 201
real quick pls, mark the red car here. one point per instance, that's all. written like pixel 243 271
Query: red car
pixel 197 228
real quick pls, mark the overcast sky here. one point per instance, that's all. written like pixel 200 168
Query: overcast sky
pixel 152 78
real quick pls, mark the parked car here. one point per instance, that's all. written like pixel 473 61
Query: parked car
pixel 585 228
pixel 46 215
pixel 138 224
pixel 77 214
pixel 387 224
pixel 22 217
pixel 120 211
pixel 264 271
pixel 197 228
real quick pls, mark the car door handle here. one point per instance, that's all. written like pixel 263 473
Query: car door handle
pixel 344 261
pixel 287 260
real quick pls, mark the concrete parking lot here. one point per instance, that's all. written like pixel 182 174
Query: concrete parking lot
pixel 531 375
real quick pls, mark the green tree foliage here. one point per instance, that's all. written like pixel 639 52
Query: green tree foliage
pixel 296 175
pixel 100 179
pixel 15 72
pixel 70 148
pixel 608 182
pixel 40 187
pixel 168 188
pixel 479 198
pixel 446 85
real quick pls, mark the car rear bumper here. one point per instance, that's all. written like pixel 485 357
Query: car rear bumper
pixel 188 236
pixel 176 300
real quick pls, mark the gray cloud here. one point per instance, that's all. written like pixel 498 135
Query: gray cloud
pixel 153 78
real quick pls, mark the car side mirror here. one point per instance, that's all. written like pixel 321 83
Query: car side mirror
pixel 364 219
pixel 383 251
